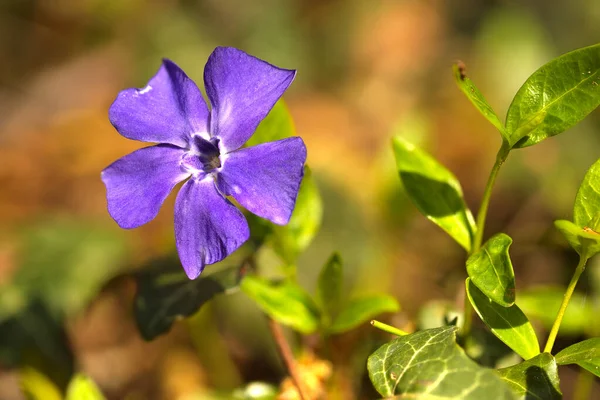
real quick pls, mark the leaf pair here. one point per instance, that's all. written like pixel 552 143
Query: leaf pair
pixel 553 99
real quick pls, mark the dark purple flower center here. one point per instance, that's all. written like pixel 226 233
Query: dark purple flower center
pixel 203 155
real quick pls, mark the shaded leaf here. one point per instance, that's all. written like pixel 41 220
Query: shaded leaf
pixel 277 125
pixel 534 379
pixel 361 310
pixel 430 365
pixel 285 302
pixel 586 354
pixel 474 95
pixel 290 240
pixel 329 284
pixel 509 324
pixel 543 303
pixel 584 241
pixel 587 202
pixel 555 97
pixel 165 294
pixel 36 386
pixel 435 191
pixel 82 387
pixel 491 270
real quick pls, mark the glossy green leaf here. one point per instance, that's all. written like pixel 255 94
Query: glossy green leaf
pixel 329 284
pixel 36 386
pixel 430 365
pixel 165 294
pixel 277 125
pixel 474 95
pixel 584 241
pixel 491 270
pixel 542 303
pixel 556 97
pixel 82 387
pixel 362 310
pixel 534 379
pixel 435 191
pixel 586 354
pixel 290 240
pixel 587 201
pixel 509 324
pixel 285 302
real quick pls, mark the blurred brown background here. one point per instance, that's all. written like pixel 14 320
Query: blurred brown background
pixel 367 70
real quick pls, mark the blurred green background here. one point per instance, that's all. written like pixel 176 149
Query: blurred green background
pixel 367 70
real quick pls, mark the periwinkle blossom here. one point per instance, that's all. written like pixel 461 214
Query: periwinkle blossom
pixel 206 147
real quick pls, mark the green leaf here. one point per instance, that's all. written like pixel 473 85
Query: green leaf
pixel 82 387
pixel 361 310
pixel 277 125
pixel 534 379
pixel 587 202
pixel 290 240
pixel 584 241
pixel 435 191
pixel 285 302
pixel 509 324
pixel 256 391
pixel 165 294
pixel 544 302
pixel 556 97
pixel 586 354
pixel 430 365
pixel 329 285
pixel 491 270
pixel 36 386
pixel 474 95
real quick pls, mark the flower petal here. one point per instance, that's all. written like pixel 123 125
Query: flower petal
pixel 138 184
pixel 242 90
pixel 207 226
pixel 168 110
pixel 265 178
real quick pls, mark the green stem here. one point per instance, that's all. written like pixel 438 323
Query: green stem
pixel 388 328
pixel 481 216
pixel 563 307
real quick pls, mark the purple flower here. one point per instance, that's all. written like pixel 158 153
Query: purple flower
pixel 205 146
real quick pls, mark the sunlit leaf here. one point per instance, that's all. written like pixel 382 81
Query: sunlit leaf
pixel 362 310
pixel 542 303
pixel 490 269
pixel 509 324
pixel 329 285
pixel 435 191
pixel 290 240
pixel 285 302
pixel 587 202
pixel 165 294
pixel 586 354
pixel 430 365
pixel 278 124
pixel 36 386
pixel 474 95
pixel 82 387
pixel 585 241
pixel 556 97
pixel 256 391
pixel 534 379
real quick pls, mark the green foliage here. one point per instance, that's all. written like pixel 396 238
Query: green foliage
pixel 290 240
pixel 474 95
pixel 329 285
pixel 165 293
pixel 435 191
pixel 430 365
pixel 36 386
pixel 490 269
pixel 285 302
pixel 586 354
pixel 509 324
pixel 536 378
pixel 584 241
pixel 556 97
pixel 82 387
pixel 277 125
pixel 361 310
